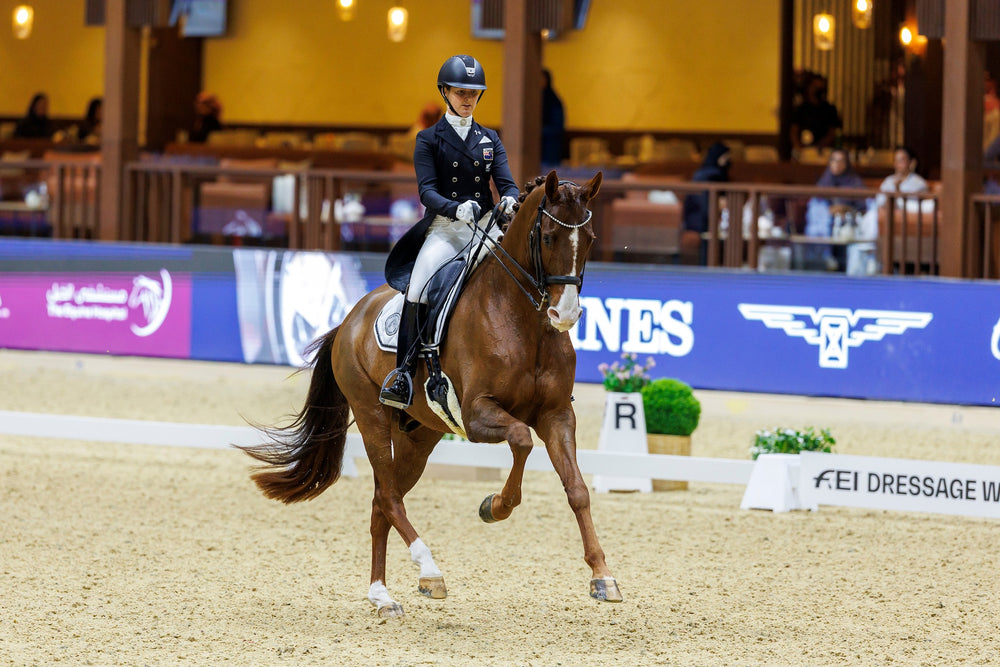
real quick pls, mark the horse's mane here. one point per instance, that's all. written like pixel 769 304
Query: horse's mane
pixel 522 196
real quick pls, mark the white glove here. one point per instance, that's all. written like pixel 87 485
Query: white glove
pixel 468 212
pixel 508 204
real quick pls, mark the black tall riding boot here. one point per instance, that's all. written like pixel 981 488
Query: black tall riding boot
pixel 397 390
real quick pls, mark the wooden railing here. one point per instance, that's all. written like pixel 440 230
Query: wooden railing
pixel 915 233
pixel 162 202
pixel 986 231
pixel 65 192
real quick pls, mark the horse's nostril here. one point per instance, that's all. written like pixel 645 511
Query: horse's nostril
pixel 553 314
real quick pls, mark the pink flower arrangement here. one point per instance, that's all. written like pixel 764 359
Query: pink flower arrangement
pixel 626 376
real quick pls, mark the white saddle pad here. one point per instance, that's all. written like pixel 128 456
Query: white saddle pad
pixel 387 323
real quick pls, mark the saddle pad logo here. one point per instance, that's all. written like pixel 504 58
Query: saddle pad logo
pixel 834 330
pixel 392 324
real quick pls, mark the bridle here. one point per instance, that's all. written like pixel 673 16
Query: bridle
pixel 539 279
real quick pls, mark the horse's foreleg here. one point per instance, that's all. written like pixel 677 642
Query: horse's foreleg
pixel 558 430
pixel 491 423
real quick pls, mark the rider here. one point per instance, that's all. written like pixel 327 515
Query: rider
pixel 454 160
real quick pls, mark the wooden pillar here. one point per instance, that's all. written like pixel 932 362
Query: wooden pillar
pixel 174 80
pixel 961 141
pixel 119 143
pixel 522 92
pixel 786 64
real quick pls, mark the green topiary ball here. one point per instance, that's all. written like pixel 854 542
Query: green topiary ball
pixel 670 407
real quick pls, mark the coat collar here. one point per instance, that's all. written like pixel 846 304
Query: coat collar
pixel 447 132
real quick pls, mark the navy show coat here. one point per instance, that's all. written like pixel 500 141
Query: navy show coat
pixel 449 172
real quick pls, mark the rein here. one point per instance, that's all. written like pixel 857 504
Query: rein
pixel 539 280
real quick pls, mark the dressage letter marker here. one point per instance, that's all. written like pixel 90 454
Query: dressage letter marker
pixel 623 431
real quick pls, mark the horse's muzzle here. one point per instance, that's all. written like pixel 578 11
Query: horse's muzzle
pixel 565 313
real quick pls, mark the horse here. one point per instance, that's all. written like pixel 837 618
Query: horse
pixel 512 367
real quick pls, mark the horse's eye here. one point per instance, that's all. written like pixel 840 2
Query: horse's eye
pixel 547 239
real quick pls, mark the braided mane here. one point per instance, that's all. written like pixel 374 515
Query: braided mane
pixel 528 187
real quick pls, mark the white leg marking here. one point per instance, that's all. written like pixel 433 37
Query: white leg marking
pixel 378 595
pixel 421 555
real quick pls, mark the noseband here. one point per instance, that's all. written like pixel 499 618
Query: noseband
pixel 542 280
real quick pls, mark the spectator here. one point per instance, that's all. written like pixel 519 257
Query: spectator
pixel 904 179
pixel 36 123
pixel 429 116
pixel 991 158
pixel 815 121
pixel 208 111
pixel 991 112
pixel 553 124
pixel 824 217
pixel 90 130
pixel 714 168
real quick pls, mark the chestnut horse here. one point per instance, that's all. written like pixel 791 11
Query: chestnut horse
pixel 512 366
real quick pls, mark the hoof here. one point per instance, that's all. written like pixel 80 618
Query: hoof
pixel 605 590
pixel 486 509
pixel 394 610
pixel 433 587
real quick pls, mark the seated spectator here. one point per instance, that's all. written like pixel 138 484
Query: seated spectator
pixel 825 217
pixel 714 168
pixel 208 111
pixel 90 130
pixel 36 123
pixel 904 179
pixel 991 158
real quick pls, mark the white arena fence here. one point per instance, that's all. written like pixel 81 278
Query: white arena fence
pixel 778 482
pixel 448 452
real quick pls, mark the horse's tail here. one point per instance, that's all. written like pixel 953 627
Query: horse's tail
pixel 304 457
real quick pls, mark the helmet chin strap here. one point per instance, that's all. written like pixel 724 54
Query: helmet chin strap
pixel 448 102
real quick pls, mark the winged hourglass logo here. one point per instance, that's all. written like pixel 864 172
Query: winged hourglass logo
pixel 834 330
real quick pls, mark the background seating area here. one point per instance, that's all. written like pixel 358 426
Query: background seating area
pixel 639 217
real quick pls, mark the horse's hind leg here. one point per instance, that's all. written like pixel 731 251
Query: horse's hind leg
pixel 491 423
pixel 397 469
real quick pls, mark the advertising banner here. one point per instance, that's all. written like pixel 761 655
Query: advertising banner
pixel 885 338
pixel 879 338
pixel 287 299
pixel 900 484
pixel 147 314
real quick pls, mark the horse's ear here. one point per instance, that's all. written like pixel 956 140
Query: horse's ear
pixel 590 190
pixel 552 186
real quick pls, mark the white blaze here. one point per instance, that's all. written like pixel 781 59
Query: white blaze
pixel 564 314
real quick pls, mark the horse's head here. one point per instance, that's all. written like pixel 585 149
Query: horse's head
pixel 559 239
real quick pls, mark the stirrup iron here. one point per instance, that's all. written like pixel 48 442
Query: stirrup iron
pixel 399 397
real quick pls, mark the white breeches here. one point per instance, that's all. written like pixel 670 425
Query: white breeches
pixel 445 239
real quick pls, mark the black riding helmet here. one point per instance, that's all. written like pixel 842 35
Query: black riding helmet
pixel 461 72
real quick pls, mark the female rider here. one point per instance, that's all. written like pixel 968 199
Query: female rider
pixel 454 160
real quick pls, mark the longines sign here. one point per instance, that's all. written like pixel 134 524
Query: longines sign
pixel 900 484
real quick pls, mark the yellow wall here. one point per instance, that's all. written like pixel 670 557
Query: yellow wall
pixel 638 64
pixel 701 65
pixel 62 58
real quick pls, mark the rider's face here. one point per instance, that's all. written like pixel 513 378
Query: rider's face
pixel 463 100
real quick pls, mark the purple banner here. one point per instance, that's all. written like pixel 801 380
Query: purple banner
pixel 145 314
